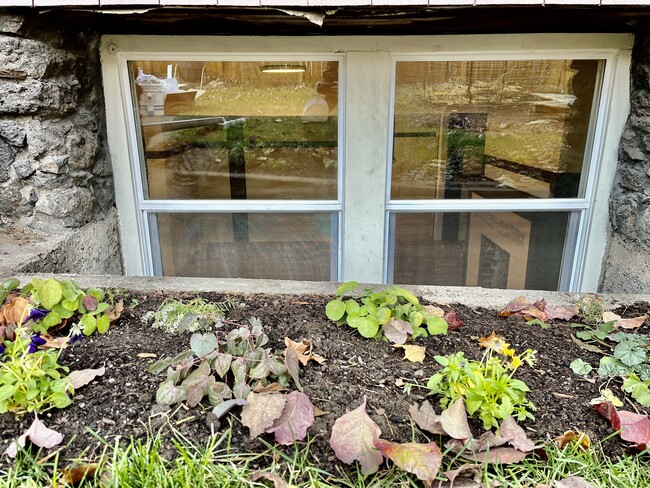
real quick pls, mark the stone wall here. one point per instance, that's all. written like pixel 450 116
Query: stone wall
pixel 627 267
pixel 55 171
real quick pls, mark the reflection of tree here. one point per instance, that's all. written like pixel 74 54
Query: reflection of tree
pixel 576 127
pixel 328 86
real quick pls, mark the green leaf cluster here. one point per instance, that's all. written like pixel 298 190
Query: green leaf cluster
pixel 66 299
pixel 176 316
pixel 7 287
pixel 378 308
pixel 629 360
pixel 221 365
pixel 487 387
pixel 32 382
pixel 591 308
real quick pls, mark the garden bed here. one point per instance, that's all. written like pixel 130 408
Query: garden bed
pixel 122 401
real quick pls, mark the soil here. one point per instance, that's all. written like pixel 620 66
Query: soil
pixel 122 402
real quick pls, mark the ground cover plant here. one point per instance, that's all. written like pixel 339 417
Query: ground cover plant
pixel 291 397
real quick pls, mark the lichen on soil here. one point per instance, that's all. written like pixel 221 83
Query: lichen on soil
pixel 122 401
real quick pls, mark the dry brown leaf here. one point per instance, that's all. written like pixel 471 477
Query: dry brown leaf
pixel 261 411
pixel 270 388
pixel 434 311
pixel 467 475
pixel 277 481
pixel 415 354
pixel 619 322
pixel 318 412
pixel 571 437
pixel 83 377
pixel 74 476
pixel 115 312
pixel 397 331
pixel 15 310
pixel 304 350
pixel 572 482
pixel 147 355
pixel 55 342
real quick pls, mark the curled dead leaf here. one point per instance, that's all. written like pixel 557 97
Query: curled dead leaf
pixel 304 350
pixel 16 310
pixel 76 475
pixel 580 439
pixel 115 312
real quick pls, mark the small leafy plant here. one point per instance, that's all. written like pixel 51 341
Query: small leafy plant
pixel 222 366
pixel 377 309
pixel 64 300
pixel 176 316
pixel 487 386
pixel 629 359
pixel 31 379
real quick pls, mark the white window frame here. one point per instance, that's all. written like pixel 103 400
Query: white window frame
pixel 365 137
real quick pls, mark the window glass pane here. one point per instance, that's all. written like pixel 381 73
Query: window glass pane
pixel 496 129
pixel 519 250
pixel 237 129
pixel 247 245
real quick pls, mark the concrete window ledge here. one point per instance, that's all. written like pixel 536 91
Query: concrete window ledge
pixel 471 297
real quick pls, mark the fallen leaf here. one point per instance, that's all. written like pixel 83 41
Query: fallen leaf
pixel 423 460
pixel 415 354
pixel 296 418
pixel 571 437
pixel 515 435
pixel 397 331
pixel 84 376
pixel 147 355
pixel 561 313
pixel 261 411
pixel 292 363
pixel 634 427
pixel 304 350
pixel 452 320
pixel 434 311
pixel 277 481
pixel 39 435
pixel 607 395
pixel 514 306
pixel 318 412
pixel 572 482
pixel 619 322
pixel 74 476
pixel 465 476
pixel 488 440
pixel 15 310
pixel 270 388
pixel 426 418
pixel 55 342
pixel 454 421
pixel 585 346
pixel 115 312
pixel 353 439
pixel 498 455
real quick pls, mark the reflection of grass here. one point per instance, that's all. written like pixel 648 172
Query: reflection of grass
pixel 251 101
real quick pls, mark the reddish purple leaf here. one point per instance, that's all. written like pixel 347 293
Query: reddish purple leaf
pixel 90 303
pixel 297 416
pixel 452 320
pixel 353 439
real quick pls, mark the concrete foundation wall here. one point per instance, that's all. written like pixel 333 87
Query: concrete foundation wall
pixel 56 186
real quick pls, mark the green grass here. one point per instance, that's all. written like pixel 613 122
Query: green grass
pixel 142 464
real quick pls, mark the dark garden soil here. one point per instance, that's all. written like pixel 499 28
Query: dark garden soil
pixel 122 402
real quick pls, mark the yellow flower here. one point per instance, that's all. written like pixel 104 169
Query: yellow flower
pixel 496 343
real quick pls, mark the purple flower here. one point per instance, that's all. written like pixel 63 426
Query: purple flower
pixel 36 314
pixel 37 340
pixel 2 349
pixel 76 333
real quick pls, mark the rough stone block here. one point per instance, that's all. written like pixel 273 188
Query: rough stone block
pixel 73 207
pixel 12 132
pixel 54 164
pixel 11 24
pixel 51 139
pixel 38 97
pixel 27 58
pixel 7 157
